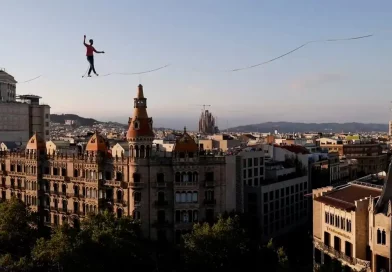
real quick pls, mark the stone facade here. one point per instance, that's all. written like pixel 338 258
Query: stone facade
pixel 168 194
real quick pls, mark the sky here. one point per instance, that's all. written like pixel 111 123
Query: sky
pixel 323 82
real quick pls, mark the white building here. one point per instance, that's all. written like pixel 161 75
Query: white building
pixel 21 116
pixel 247 168
pixel 7 87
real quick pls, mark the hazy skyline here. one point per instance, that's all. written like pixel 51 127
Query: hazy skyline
pixel 325 82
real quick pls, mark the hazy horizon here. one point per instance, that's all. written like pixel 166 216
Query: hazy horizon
pixel 323 82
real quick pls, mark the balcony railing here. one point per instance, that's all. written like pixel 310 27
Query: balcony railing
pixel 136 185
pixel 15 173
pixel 53 177
pixel 341 256
pixel 209 183
pixel 160 184
pixel 186 184
pixel 161 203
pixel 209 201
pixel 112 183
pixel 77 179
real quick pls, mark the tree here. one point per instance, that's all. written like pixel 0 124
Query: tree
pixel 225 246
pixel 17 235
pixel 55 254
pixel 103 242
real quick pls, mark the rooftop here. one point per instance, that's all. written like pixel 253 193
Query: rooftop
pixel 345 197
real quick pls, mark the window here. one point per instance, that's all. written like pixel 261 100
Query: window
pixel 178 197
pixel 194 197
pixel 244 163
pixel 249 162
pixel 327 217
pixel 136 177
pixel 265 197
pixel 378 236
pixel 160 178
pixel 383 237
pixel 256 161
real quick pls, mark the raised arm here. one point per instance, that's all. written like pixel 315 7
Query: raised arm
pixel 84 40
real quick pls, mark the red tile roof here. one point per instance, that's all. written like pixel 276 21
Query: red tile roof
pixel 345 198
pixel 297 149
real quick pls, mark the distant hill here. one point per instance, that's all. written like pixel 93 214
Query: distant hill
pixel 286 127
pixel 60 118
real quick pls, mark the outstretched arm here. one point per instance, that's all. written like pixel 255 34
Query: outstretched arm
pixel 99 52
pixel 84 41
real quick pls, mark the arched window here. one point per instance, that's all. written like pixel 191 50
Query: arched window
pixel 195 197
pixel 178 197
pixel 136 215
pixel 189 197
pixel 137 197
pixel 178 177
pixel 383 237
pixel 195 216
pixel 137 151
pixel 131 152
pixel 183 197
pixel 184 177
pixel 136 177
pixel 142 152
pixel 148 151
pixel 161 178
pixel 378 236
pixel 190 178
pixel 190 216
pixel 195 177
pixel 161 196
pixel 76 174
pixel 64 188
pixel 88 192
pixel 76 190
pixel 119 195
pixel 184 216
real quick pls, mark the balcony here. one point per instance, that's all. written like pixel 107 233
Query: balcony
pixel 162 224
pixel 53 177
pixel 75 212
pixel 209 183
pixel 209 201
pixel 14 173
pixel 186 184
pixel 340 255
pixel 121 203
pixel 112 183
pixel 77 179
pixel 3 172
pixel 136 185
pixel 57 193
pixel 159 185
pixel 161 203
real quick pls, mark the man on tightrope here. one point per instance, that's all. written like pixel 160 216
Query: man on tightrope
pixel 90 55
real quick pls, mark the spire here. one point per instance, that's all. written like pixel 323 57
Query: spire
pixel 140 93
pixel 386 191
pixel 184 130
pixel 140 125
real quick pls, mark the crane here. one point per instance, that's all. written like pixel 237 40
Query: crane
pixel 204 106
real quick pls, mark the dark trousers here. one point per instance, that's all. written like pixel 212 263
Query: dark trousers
pixel 91 61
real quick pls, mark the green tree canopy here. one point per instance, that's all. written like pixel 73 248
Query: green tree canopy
pixel 225 246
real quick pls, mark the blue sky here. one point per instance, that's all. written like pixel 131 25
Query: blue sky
pixel 323 82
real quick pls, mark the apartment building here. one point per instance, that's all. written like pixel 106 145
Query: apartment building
pixel 332 145
pixel 20 119
pixel 7 87
pixel 279 200
pixel 370 157
pixel 168 194
pixel 352 224
pixel 246 168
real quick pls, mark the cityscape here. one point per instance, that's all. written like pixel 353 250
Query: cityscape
pixel 82 193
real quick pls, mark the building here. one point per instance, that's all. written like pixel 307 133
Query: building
pixel 168 194
pixel 207 124
pixel 7 87
pixel 370 157
pixel 21 116
pixel 352 223
pixel 390 128
pixel 332 145
pixel 221 142
pixel 245 168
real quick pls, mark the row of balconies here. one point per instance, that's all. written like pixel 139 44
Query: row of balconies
pixel 341 255
pixel 164 203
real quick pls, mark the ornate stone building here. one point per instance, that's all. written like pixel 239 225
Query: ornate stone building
pixel 352 223
pixel 167 193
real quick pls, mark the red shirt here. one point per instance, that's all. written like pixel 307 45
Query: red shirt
pixel 90 50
